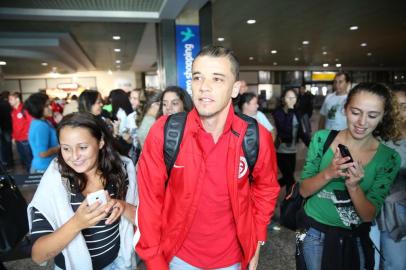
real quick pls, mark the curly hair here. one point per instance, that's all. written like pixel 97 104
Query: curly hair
pixel 388 128
pixel 109 161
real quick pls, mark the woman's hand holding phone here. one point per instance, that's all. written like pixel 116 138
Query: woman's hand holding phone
pixel 114 209
pixel 338 166
pixel 89 215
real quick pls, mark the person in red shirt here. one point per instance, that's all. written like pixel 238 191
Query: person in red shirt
pixel 206 214
pixel 21 120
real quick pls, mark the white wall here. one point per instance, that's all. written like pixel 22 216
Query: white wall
pixel 101 80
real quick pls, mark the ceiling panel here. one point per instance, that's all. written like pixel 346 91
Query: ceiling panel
pixel 282 25
pixel 94 39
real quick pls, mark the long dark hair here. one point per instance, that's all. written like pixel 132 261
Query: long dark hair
pixel 119 99
pixel 109 161
pixel 182 95
pixel 87 99
pixel 388 128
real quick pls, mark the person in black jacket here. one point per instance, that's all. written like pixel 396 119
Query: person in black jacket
pixel 290 126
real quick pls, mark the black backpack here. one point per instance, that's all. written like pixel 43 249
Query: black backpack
pixel 173 133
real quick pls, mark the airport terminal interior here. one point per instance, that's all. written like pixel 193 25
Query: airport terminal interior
pixel 65 47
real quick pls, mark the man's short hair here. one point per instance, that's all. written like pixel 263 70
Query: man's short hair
pixel 220 51
pixel 17 95
pixel 345 74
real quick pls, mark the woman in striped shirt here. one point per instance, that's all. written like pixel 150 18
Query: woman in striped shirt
pixel 63 225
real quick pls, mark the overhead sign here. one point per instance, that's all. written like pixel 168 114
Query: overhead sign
pixel 187 47
pixel 323 76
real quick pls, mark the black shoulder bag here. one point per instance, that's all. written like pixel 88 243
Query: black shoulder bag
pixel 291 210
pixel 13 213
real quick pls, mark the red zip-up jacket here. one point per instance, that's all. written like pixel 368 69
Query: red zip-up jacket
pixel 166 210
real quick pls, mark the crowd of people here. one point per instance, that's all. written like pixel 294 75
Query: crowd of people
pixel 210 209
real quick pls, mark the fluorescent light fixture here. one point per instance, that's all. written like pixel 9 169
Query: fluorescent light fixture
pixel 324 53
pixel 305 42
pixel 220 39
pixel 117 50
pixel 325 65
pixel 296 58
pixel 338 65
pixel 118 61
pixel 274 51
pixel 44 64
pixel 251 21
pixel 116 37
pixel 251 58
pixel 3 63
pixel 354 27
pixel 363 44
pixel 369 54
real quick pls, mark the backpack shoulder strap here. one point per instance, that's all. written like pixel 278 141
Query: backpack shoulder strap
pixel 173 133
pixel 250 144
pixel 330 138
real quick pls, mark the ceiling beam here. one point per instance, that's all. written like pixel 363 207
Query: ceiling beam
pixel 78 15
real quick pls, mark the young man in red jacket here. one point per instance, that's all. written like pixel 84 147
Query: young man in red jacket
pixel 21 121
pixel 207 214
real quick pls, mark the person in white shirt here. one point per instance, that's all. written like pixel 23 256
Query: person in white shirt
pixel 248 105
pixel 332 111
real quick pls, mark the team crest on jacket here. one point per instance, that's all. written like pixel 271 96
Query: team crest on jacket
pixel 243 167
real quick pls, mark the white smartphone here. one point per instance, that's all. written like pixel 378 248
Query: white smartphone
pixel 99 196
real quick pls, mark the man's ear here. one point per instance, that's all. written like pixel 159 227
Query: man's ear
pixel 236 89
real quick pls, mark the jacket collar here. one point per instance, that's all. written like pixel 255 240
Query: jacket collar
pixel 232 122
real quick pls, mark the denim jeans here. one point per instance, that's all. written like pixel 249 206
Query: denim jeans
pixel 24 150
pixel 313 249
pixel 393 252
pixel 117 264
pixel 179 264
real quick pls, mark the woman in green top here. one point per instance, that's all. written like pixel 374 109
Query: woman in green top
pixel 344 196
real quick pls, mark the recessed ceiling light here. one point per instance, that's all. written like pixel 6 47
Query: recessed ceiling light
pixel 3 63
pixel 44 64
pixel 305 42
pixel 338 65
pixel 369 54
pixel 363 44
pixel 251 21
pixel 296 58
pixel 353 28
pixel 275 63
pixel 251 58
pixel 118 61
pixel 116 37
pixel 274 51
pixel 117 50
pixel 324 53
pixel 325 65
pixel 220 39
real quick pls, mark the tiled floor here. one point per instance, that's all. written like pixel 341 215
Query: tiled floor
pixel 278 252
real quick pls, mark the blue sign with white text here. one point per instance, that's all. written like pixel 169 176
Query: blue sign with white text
pixel 187 47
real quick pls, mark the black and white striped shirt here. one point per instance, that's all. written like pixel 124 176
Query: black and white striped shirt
pixel 103 241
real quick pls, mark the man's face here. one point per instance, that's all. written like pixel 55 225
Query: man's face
pixel 340 85
pixel 213 85
pixel 13 101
